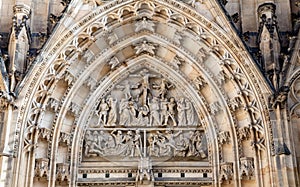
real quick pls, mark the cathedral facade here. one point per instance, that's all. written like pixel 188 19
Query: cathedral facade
pixel 148 93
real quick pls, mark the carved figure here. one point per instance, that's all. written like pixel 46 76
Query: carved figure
pixel 113 113
pixel 125 114
pixel 145 83
pixel 182 146
pixel 190 114
pixel 142 118
pixel 164 114
pixel 145 173
pixel 91 145
pixel 138 144
pixel 129 143
pixel 181 112
pixel 102 112
pixel 126 88
pixel 164 147
pixel 153 147
pixel 171 110
pixel 154 112
pixel 163 88
pixel 195 147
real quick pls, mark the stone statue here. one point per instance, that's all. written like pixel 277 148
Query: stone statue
pixel 113 113
pixel 142 119
pixel 145 83
pixel 138 144
pixel 154 112
pixel 102 112
pixel 181 112
pixel 191 116
pixel 163 88
pixel 125 114
pixel 171 111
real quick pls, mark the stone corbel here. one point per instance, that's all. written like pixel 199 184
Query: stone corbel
pixel 235 103
pixel 65 138
pixel 45 133
pixel 62 172
pixel 215 107
pixel 199 82
pixel 224 137
pixel 74 108
pixel 245 132
pixel 247 168
pixel 226 172
pixel 41 169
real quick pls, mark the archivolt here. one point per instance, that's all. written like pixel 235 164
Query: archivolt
pixel 73 59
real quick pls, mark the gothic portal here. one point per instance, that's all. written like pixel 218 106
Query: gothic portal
pixel 148 93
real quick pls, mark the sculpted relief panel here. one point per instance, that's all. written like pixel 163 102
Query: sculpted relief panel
pixel 145 115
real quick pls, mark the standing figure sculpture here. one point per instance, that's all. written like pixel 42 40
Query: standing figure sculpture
pixel 144 84
pixel 125 114
pixel 163 88
pixel 181 112
pixel 154 112
pixel 191 117
pixel 102 112
pixel 113 113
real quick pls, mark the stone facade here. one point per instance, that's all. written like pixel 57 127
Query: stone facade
pixel 149 93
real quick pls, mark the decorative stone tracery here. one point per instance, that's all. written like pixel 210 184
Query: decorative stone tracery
pixel 147 99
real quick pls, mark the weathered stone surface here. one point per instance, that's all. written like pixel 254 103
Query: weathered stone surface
pixel 149 93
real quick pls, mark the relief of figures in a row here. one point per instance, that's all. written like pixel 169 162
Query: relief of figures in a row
pixel 144 100
pixel 136 143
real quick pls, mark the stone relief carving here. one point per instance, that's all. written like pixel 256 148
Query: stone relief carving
pixel 41 167
pixel 224 137
pixel 226 171
pixel 215 107
pixel 247 167
pixel 153 143
pixel 145 47
pixel 114 62
pixel 145 99
pixel 62 172
pixel 177 61
pixel 144 24
pixel 145 173
pixel 199 82
pixel 245 132
pixel 45 133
